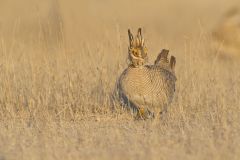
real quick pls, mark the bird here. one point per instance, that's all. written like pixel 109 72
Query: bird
pixel 147 89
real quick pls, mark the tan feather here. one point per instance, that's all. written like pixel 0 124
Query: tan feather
pixel 147 89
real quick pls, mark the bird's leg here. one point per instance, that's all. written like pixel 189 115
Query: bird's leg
pixel 139 113
pixel 162 114
pixel 164 111
pixel 143 113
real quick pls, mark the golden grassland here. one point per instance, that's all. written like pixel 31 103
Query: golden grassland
pixel 55 103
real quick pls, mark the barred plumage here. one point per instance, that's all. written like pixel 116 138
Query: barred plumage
pixel 149 89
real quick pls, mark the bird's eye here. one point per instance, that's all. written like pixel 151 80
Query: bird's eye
pixel 135 53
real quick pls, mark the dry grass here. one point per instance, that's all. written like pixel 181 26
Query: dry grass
pixel 55 104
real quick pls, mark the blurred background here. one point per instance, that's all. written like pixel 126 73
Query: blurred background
pixel 171 22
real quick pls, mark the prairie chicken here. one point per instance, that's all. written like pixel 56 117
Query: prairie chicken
pixel 146 89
